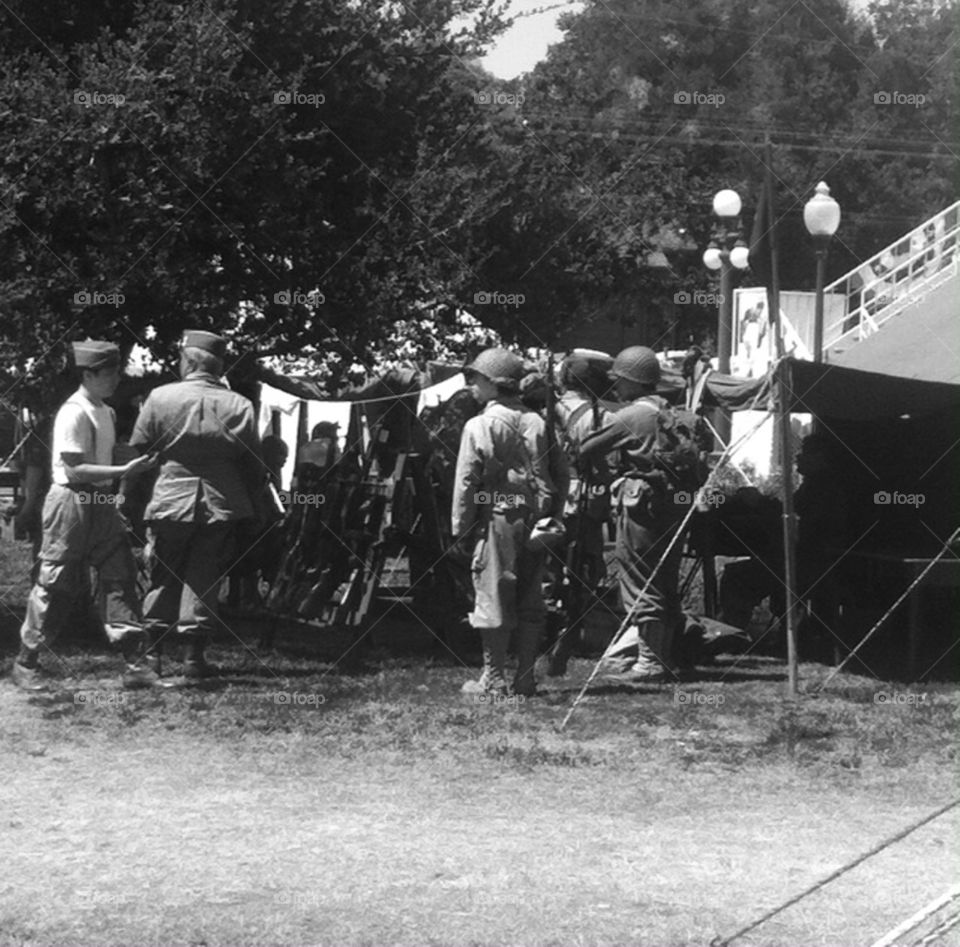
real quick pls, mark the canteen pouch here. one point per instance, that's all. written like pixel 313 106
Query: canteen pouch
pixel 639 497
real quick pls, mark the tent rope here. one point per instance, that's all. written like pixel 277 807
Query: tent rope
pixel 911 923
pixel 625 624
pixel 948 924
pixel 946 548
pixel 886 843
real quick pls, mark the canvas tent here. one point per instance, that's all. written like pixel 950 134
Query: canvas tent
pixel 899 436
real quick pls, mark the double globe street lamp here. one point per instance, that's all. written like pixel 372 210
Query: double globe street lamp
pixel 727 252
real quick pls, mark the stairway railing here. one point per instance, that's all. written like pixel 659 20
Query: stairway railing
pixel 893 279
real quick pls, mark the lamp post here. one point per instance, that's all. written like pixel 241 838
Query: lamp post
pixel 727 252
pixel 821 217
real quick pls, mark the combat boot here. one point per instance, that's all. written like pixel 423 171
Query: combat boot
pixel 137 673
pixel 27 673
pixel 492 679
pixel 195 667
pixel 653 654
pixel 528 640
pixel 152 655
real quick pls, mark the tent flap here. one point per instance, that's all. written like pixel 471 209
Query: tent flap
pixel 830 391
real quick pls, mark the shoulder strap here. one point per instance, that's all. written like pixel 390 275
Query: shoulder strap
pixel 578 412
pixel 532 477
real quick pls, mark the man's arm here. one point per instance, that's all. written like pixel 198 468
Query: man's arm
pixel 68 435
pixel 79 472
pixel 467 480
pixel 614 433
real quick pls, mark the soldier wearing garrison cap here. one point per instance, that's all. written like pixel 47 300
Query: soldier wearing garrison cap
pixel 82 526
pixel 211 470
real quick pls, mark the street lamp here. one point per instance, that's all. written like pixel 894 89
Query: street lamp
pixel 727 252
pixel 821 217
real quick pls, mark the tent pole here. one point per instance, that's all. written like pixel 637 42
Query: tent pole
pixel 789 521
pixel 783 388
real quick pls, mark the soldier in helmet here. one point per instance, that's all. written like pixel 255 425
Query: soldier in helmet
pixel 501 487
pixel 645 511
pixel 582 410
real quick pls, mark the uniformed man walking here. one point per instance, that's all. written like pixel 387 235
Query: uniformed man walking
pixel 501 487
pixel 211 468
pixel 646 512
pixel 82 526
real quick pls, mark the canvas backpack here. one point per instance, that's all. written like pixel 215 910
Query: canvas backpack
pixel 683 442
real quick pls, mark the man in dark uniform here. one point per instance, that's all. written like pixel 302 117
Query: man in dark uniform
pixel 211 470
pixel 647 515
pixel 582 410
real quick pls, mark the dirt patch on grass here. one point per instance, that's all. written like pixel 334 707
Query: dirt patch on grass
pixel 391 812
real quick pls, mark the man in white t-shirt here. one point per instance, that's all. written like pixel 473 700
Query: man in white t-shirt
pixel 82 526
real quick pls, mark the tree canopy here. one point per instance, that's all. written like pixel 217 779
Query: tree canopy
pixel 286 172
pixel 304 174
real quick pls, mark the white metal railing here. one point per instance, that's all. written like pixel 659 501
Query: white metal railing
pixel 894 279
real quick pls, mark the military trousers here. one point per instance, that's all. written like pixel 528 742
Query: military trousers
pixel 82 528
pixel 644 532
pixel 583 576
pixel 507 580
pixel 188 561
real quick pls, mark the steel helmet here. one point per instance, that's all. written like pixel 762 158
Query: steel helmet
pixel 637 363
pixel 548 533
pixel 499 365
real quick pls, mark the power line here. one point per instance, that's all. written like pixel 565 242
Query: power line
pixel 738 138
pixel 651 124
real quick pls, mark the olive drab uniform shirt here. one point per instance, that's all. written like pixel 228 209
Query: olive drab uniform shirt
pixel 629 434
pixel 502 464
pixel 208 448
pixel 580 419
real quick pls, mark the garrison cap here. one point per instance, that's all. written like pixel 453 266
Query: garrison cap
pixel 95 355
pixel 206 341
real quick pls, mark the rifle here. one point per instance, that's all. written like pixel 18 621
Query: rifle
pixel 573 584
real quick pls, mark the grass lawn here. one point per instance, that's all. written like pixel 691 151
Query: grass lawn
pixel 291 802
